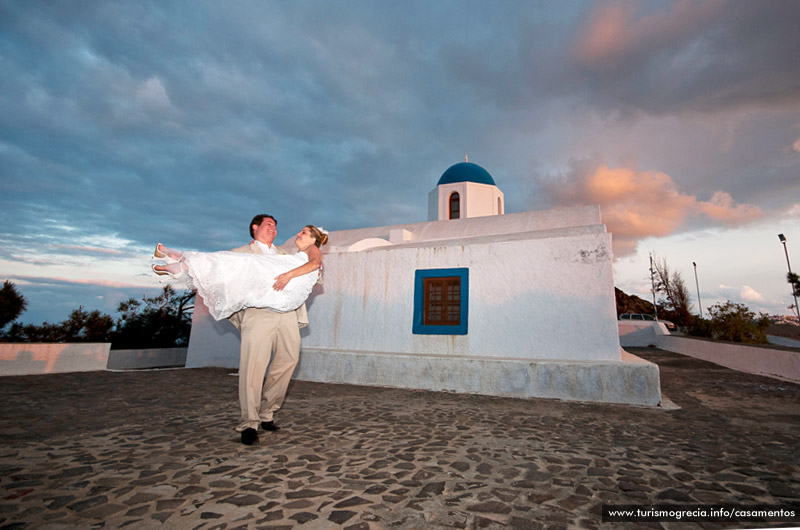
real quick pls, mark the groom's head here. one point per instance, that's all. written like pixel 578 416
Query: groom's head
pixel 263 228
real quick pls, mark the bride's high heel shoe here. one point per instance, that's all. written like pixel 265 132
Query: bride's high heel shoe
pixel 160 273
pixel 159 254
pixel 174 275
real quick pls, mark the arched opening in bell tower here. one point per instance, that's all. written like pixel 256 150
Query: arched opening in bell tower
pixel 455 205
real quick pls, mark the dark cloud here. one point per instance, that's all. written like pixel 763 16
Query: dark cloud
pixel 700 56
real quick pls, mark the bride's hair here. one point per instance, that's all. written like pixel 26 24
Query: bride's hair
pixel 320 237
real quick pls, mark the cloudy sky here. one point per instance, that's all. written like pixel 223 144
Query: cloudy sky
pixel 126 123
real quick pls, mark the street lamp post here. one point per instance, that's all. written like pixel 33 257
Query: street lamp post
pixel 697 283
pixel 653 286
pixel 789 265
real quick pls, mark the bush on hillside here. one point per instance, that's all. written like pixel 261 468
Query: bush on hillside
pixel 732 322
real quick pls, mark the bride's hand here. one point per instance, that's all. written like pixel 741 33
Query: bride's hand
pixel 281 281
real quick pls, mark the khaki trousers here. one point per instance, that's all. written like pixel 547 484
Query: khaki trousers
pixel 263 332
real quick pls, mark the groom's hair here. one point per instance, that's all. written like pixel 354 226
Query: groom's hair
pixel 258 219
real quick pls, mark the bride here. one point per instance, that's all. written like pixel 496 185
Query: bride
pixel 231 281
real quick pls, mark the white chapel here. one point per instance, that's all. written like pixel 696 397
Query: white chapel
pixel 474 301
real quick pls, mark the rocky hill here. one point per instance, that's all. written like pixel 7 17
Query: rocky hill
pixel 632 304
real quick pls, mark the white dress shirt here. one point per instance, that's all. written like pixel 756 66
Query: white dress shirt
pixel 266 249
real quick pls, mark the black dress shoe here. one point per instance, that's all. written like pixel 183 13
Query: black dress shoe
pixel 249 436
pixel 269 426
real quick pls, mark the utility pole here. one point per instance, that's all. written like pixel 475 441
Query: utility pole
pixel 700 305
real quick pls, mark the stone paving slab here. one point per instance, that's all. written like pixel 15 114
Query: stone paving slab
pixel 157 449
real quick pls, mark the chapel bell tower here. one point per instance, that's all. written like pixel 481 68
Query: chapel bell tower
pixel 464 190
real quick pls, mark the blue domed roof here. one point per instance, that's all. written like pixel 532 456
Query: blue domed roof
pixel 466 172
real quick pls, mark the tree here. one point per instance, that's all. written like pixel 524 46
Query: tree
pixel 675 295
pixel 81 326
pixel 12 304
pixel 162 321
pixel 736 323
pixel 87 327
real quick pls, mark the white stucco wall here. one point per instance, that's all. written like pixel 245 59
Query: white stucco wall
pixel 535 296
pixel 481 200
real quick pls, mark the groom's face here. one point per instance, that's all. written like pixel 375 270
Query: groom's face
pixel 265 232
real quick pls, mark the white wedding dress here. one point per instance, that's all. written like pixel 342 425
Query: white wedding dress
pixel 232 281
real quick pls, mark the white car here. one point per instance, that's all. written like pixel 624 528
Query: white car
pixel 651 318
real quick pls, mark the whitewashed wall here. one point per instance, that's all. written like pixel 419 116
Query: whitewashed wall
pixel 538 296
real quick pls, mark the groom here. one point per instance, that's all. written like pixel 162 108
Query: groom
pixel 263 333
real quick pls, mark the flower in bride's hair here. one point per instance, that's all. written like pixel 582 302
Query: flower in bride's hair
pixel 322 230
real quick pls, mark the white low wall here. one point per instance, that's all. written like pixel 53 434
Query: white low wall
pixel 212 342
pixel 779 364
pixel 27 359
pixel 148 358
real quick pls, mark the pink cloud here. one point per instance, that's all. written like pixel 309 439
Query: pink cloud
pixel 639 204
pixel 722 208
pixel 749 294
pixel 616 32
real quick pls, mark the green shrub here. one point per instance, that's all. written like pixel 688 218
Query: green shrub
pixel 701 327
pixel 732 322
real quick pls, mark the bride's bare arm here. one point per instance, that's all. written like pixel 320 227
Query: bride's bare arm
pixel 314 263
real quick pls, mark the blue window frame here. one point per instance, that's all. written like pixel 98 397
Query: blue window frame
pixel 441 301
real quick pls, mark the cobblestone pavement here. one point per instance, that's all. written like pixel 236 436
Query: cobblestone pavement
pixel 157 449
